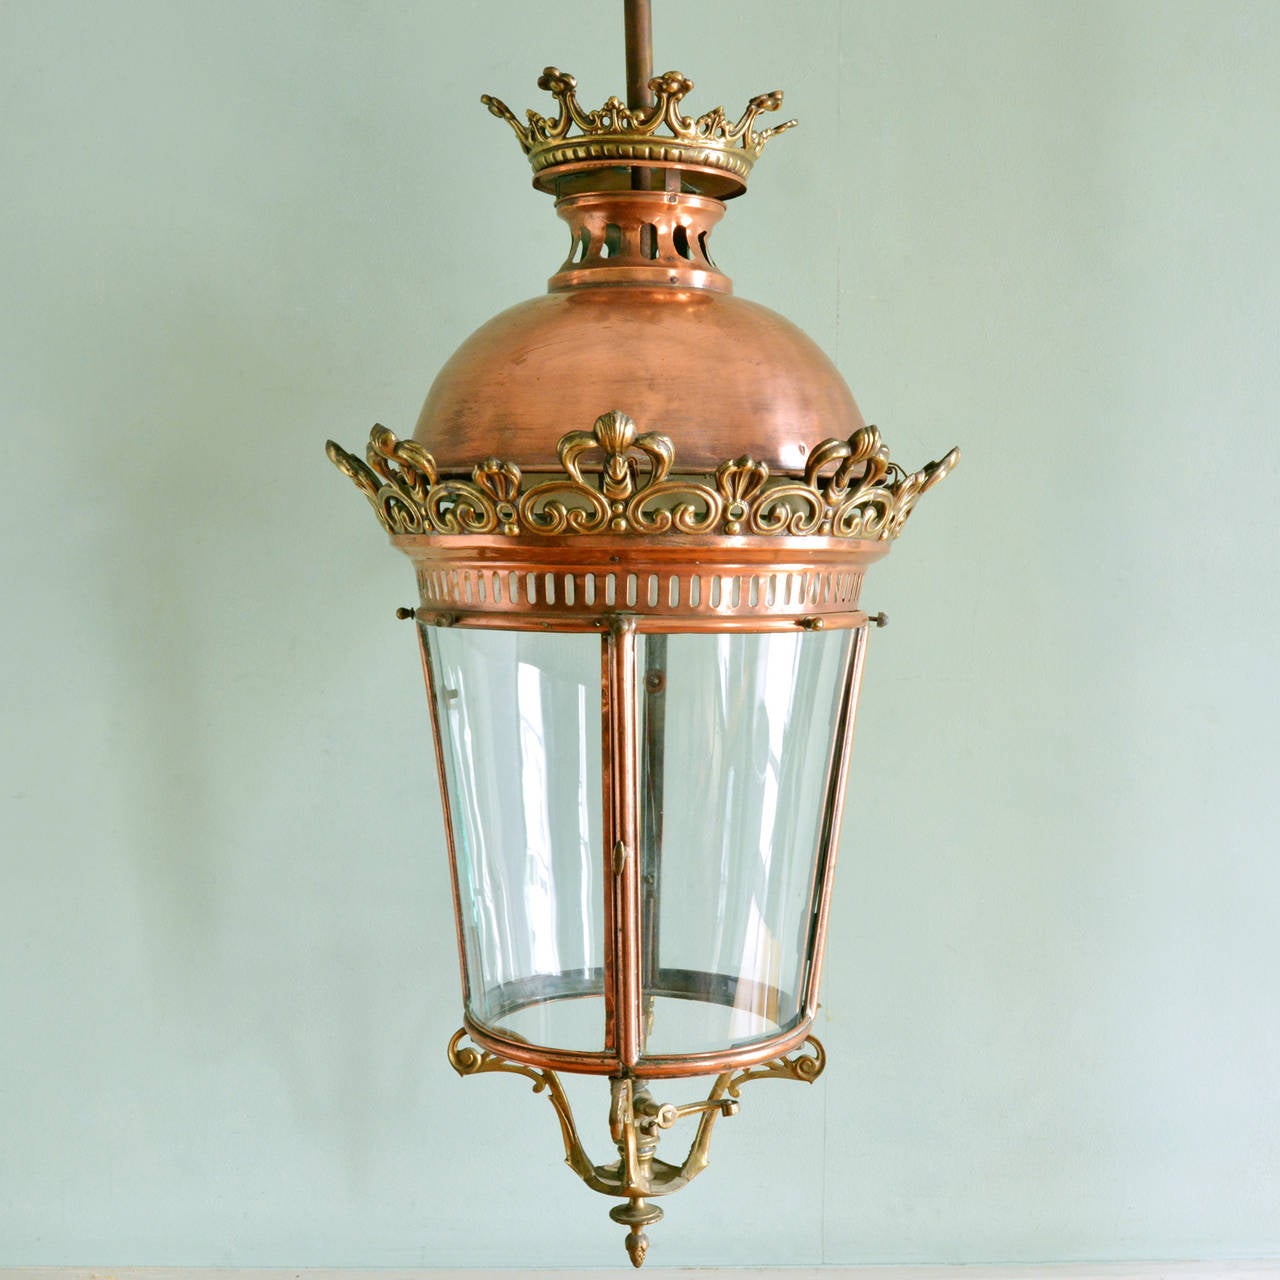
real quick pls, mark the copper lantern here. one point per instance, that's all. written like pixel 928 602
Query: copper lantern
pixel 640 510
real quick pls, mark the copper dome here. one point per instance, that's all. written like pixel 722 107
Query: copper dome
pixel 721 376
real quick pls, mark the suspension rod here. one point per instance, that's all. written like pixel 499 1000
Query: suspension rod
pixel 639 43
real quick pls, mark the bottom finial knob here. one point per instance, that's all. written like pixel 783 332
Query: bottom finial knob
pixel 637 1246
pixel 636 1214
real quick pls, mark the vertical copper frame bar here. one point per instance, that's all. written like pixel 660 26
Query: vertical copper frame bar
pixel 652 784
pixel 622 896
pixel 424 648
pixel 830 840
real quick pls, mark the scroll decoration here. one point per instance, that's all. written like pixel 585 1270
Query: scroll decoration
pixel 805 1067
pixel 850 489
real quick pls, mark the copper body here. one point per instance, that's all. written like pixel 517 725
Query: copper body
pixel 720 584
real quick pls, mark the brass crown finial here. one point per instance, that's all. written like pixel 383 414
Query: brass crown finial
pixel 627 135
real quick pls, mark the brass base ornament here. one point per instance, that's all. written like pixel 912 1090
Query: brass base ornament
pixel 640 511
pixel 637 1122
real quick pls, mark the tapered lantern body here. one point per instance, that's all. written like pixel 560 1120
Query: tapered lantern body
pixel 640 511
pixel 730 753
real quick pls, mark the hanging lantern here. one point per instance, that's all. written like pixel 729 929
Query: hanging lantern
pixel 640 510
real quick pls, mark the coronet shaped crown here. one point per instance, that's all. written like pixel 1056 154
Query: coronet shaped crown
pixel 660 136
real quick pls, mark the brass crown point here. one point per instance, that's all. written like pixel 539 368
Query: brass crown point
pixel 630 135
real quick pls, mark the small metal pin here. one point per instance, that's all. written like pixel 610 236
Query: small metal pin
pixel 404 613
pixel 812 623
pixel 619 857
pixel 880 619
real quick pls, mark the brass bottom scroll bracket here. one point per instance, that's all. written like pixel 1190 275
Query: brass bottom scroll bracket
pixel 636 1123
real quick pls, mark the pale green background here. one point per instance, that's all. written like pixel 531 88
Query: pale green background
pixel 1045 231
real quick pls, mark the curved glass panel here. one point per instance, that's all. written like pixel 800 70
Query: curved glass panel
pixel 736 735
pixel 520 732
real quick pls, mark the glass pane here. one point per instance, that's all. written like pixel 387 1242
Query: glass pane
pixel 736 741
pixel 519 717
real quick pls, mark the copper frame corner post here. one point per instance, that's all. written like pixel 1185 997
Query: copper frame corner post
pixel 557 493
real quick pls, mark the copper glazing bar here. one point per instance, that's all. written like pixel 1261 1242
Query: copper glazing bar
pixel 808 919
pixel 834 812
pixel 653 764
pixel 660 1066
pixel 424 648
pixel 644 624
pixel 622 900
pixel 609 786
pixel 712 1063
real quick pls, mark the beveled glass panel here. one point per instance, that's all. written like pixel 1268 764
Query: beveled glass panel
pixel 520 730
pixel 737 734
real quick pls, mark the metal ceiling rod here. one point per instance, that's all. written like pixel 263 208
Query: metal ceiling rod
pixel 639 41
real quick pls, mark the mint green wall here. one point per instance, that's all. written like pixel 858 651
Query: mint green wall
pixel 1046 231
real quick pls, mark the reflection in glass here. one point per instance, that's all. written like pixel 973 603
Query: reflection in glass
pixel 736 735
pixel 519 720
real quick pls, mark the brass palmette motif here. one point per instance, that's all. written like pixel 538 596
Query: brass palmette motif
pixel 850 489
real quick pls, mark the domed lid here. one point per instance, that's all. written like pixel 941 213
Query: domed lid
pixel 720 376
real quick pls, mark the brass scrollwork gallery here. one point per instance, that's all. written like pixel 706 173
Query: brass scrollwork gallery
pixel 636 1123
pixel 850 489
